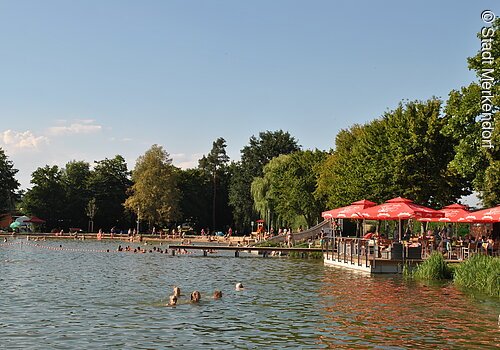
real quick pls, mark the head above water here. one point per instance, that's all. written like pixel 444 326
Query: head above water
pixel 195 296
pixel 239 286
pixel 177 291
pixel 217 294
pixel 173 300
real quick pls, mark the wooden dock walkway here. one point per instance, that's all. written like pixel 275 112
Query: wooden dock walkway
pixel 237 249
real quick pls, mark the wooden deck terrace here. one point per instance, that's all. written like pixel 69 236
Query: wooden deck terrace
pixel 237 249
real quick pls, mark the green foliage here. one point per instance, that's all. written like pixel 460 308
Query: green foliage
pixel 253 158
pixel 108 184
pixel 75 179
pixel 61 195
pixel 8 183
pixel 47 198
pixel 433 268
pixel 402 154
pixel 477 164
pixel 287 187
pixel 214 166
pixel 154 195
pixel 480 272
pixel 196 199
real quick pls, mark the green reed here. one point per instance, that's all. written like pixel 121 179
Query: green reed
pixel 480 272
pixel 433 268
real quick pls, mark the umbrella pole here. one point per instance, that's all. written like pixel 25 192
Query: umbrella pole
pixel 399 230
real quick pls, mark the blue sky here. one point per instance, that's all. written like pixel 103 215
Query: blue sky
pixel 86 80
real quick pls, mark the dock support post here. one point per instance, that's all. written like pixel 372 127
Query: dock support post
pixel 204 253
pixel 173 252
pixel 236 253
pixel 264 254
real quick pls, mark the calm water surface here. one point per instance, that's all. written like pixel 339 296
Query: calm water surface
pixel 83 297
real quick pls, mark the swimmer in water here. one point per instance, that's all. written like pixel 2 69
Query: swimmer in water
pixel 172 301
pixel 195 296
pixel 239 286
pixel 217 294
pixel 177 291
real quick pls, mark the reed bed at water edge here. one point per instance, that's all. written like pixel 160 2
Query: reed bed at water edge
pixel 479 272
pixel 434 268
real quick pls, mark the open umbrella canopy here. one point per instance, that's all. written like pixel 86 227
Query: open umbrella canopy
pixel 349 212
pixel 485 215
pixel 399 208
pixel 22 219
pixel 452 213
pixel 36 220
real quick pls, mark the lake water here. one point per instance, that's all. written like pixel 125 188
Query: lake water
pixel 81 297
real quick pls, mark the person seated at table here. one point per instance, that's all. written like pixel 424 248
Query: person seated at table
pixel 407 234
pixel 479 243
pixel 490 243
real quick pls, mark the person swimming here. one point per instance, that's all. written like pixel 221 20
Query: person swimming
pixel 172 301
pixel 217 294
pixel 239 286
pixel 195 296
pixel 177 291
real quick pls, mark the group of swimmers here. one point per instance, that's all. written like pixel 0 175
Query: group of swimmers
pixel 152 250
pixel 196 295
pixel 141 250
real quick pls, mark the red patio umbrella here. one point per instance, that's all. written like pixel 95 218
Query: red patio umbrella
pixel 349 212
pixel 399 208
pixel 452 213
pixel 36 220
pixel 485 215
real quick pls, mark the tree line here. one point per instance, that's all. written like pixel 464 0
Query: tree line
pixel 429 151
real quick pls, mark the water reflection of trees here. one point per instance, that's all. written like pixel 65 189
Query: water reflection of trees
pixel 364 311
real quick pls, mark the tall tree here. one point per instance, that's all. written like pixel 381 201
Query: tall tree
pixel 404 153
pixel 109 182
pixel 468 112
pixel 195 201
pixel 47 197
pixel 287 187
pixel 254 157
pixel 215 165
pixel 75 178
pixel 420 154
pixel 8 184
pixel 155 195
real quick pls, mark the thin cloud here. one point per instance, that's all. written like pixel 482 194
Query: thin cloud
pixel 186 161
pixel 22 141
pixel 79 127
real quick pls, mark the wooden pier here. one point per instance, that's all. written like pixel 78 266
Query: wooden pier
pixel 367 255
pixel 237 249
